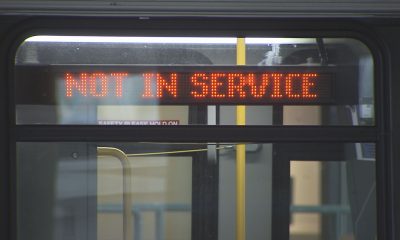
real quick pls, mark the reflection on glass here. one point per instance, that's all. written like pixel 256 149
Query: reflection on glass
pixel 331 200
pixel 161 200
pixel 70 191
pixel 74 191
pixel 306 192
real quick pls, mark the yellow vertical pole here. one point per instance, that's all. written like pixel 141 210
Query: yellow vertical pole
pixel 241 156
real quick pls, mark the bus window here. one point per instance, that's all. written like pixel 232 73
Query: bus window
pixel 107 80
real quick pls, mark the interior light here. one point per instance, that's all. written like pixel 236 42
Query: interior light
pixel 176 40
pixel 280 41
pixel 105 39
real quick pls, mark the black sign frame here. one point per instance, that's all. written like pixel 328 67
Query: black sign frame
pixel 40 85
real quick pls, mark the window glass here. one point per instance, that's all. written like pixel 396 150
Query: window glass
pixel 82 190
pixel 193 81
pixel 321 211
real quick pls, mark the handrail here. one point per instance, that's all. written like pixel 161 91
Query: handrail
pixel 327 209
pixel 126 185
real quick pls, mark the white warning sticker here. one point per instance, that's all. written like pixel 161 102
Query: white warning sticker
pixel 138 122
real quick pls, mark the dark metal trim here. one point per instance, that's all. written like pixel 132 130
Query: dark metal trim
pixel 205 183
pixel 387 149
pixel 195 134
pixel 385 191
pixel 288 27
pixel 221 8
pixel 322 52
pixel 281 193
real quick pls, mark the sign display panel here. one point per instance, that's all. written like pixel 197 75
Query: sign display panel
pixel 175 85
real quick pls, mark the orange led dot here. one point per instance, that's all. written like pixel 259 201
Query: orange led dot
pixel 147 85
pixel 94 87
pixel 119 77
pixel 234 87
pixel 170 86
pixel 203 87
pixel 276 91
pixel 215 85
pixel 258 91
pixel 289 85
pixel 307 85
pixel 71 83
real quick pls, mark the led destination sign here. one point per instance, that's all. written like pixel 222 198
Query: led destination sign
pixel 183 85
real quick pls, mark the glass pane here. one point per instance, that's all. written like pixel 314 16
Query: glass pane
pixel 83 192
pixel 333 200
pixel 193 81
pixel 188 191
pixel 354 107
pixel 159 195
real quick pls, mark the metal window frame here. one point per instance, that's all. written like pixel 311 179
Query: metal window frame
pixel 23 26
pixel 219 8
